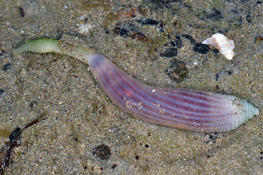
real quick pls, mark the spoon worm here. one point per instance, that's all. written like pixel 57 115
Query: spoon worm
pixel 181 108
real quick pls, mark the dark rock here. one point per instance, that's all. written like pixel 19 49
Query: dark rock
pixel 212 137
pixel 121 31
pixel 249 18
pixel 214 15
pixel 178 42
pixel 201 48
pixel 172 44
pixel 102 151
pixel 128 29
pixel 2 52
pixel 148 21
pixel 1 91
pixel 169 53
pixel 113 166
pixel 177 70
pixel 258 39
pixel 163 3
pixel 21 11
pixel 189 37
pixel 6 67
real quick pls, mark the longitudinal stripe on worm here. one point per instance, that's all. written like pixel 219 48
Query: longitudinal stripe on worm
pixel 182 108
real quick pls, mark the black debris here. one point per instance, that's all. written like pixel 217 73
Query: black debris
pixel 178 42
pixel 128 29
pixel 172 43
pixel 102 151
pixel 121 31
pixel 169 53
pixel 214 15
pixel 258 39
pixel 249 18
pixel 160 27
pixel 21 11
pixel 137 157
pixel 201 48
pixel 223 73
pixel 189 37
pixel 1 92
pixel 211 137
pixel 33 104
pixel 164 3
pixel 6 67
pixel 15 135
pixel 7 150
pixel 261 155
pixel 177 70
pixel 114 166
pixel 2 52
pixel 147 21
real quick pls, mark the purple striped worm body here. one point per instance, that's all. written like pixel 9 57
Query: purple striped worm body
pixel 181 108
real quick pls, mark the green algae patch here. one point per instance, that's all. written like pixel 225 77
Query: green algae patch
pixel 97 4
pixel 157 42
pixel 4 133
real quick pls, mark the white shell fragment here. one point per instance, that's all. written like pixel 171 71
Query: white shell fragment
pixel 221 43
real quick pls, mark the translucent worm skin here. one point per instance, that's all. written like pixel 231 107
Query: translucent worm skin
pixel 186 109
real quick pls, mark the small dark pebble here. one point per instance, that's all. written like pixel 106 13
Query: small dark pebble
pixel 121 31
pixel 146 146
pixel 211 137
pixel 259 2
pixel 129 30
pixel 6 67
pixel 201 48
pixel 177 70
pixel 160 27
pixel 76 139
pixel 214 15
pixel 15 134
pixel 161 3
pixel 147 21
pixel 215 51
pixel 139 36
pixel 258 39
pixel 179 42
pixel 21 11
pixel 1 91
pixel 172 44
pixel 249 18
pixel 85 167
pixel 227 71
pixel 223 73
pixel 102 151
pixel 2 52
pixel 169 53
pixel 137 157
pixel 189 37
pixel 114 166
pixel 33 104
